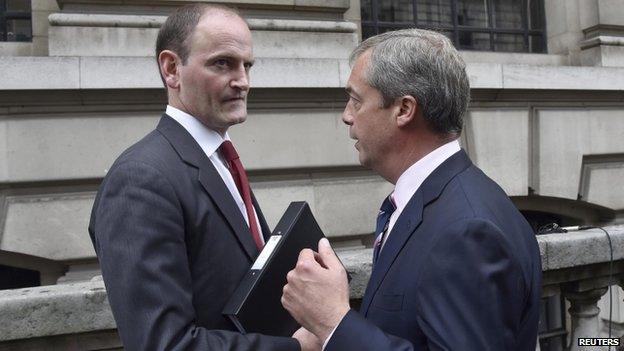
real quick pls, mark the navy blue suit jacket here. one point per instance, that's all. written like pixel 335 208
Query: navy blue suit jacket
pixel 173 245
pixel 460 271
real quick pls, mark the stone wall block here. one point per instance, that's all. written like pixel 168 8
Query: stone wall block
pixel 574 140
pixel 52 227
pixel 498 142
pixel 342 205
pixel 54 310
pixel 50 146
pixel 44 5
pixel 111 72
pixel 102 41
pixel 46 72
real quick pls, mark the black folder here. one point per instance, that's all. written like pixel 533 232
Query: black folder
pixel 255 306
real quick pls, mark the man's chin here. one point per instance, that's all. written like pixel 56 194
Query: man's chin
pixel 363 160
pixel 235 114
pixel 236 118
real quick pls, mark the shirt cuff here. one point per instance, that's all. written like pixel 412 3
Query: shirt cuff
pixel 329 337
pixel 332 333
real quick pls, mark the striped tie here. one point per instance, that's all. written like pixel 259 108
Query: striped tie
pixel 383 220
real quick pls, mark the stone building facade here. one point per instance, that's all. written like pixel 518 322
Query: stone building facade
pixel 548 127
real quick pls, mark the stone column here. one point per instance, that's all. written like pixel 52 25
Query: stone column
pixel 618 328
pixel 617 323
pixel 584 314
pixel 603 30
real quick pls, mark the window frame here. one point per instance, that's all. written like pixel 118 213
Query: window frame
pixel 6 16
pixel 455 29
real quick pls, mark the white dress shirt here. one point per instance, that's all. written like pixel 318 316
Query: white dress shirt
pixel 209 141
pixel 409 182
pixel 413 177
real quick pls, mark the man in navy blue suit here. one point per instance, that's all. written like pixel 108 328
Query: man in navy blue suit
pixel 455 266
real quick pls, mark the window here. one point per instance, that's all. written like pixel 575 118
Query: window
pixel 488 25
pixel 15 20
pixel 17 278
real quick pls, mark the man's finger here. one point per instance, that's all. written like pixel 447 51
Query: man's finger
pixel 319 259
pixel 306 261
pixel 306 254
pixel 328 256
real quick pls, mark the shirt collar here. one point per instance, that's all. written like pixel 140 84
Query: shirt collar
pixel 208 139
pixel 413 177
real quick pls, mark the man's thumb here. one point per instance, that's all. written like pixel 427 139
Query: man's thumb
pixel 327 254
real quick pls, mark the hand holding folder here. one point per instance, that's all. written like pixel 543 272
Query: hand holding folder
pixel 255 305
pixel 317 293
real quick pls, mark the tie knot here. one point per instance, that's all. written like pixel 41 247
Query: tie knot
pixel 228 151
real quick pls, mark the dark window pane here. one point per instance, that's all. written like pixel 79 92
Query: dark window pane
pixel 19 30
pixel 471 24
pixel 396 11
pixel 368 31
pixel 536 14
pixel 550 320
pixel 474 41
pixel 509 42
pixel 367 10
pixel 15 278
pixel 507 14
pixel 389 29
pixel 472 13
pixel 434 13
pixel 446 33
pixel 18 5
pixel 536 44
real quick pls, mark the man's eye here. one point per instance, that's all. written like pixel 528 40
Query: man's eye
pixel 221 62
pixel 354 102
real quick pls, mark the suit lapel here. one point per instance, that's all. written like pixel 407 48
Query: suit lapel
pixel 410 219
pixel 212 182
pixel 210 179
pixel 405 225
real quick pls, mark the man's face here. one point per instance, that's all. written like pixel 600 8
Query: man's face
pixel 369 123
pixel 214 82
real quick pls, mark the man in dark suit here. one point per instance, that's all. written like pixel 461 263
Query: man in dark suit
pixel 174 224
pixel 455 265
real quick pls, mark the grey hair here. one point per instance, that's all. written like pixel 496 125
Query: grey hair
pixel 422 64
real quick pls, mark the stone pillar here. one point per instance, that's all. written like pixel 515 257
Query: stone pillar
pixel 618 328
pixel 602 25
pixel 617 323
pixel 584 314
pixel 563 28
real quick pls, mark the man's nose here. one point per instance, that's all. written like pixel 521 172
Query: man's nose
pixel 346 117
pixel 241 79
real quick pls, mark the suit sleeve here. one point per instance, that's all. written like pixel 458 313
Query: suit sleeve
pixel 469 296
pixel 139 236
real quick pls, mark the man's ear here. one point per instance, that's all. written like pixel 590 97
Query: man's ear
pixel 169 63
pixel 407 107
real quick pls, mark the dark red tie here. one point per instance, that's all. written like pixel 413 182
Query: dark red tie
pixel 240 178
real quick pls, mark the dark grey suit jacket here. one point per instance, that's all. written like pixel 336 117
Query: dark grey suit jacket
pixel 173 246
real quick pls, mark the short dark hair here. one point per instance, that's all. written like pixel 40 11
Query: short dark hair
pixel 175 34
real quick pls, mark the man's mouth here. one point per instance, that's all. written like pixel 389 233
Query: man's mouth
pixel 234 98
